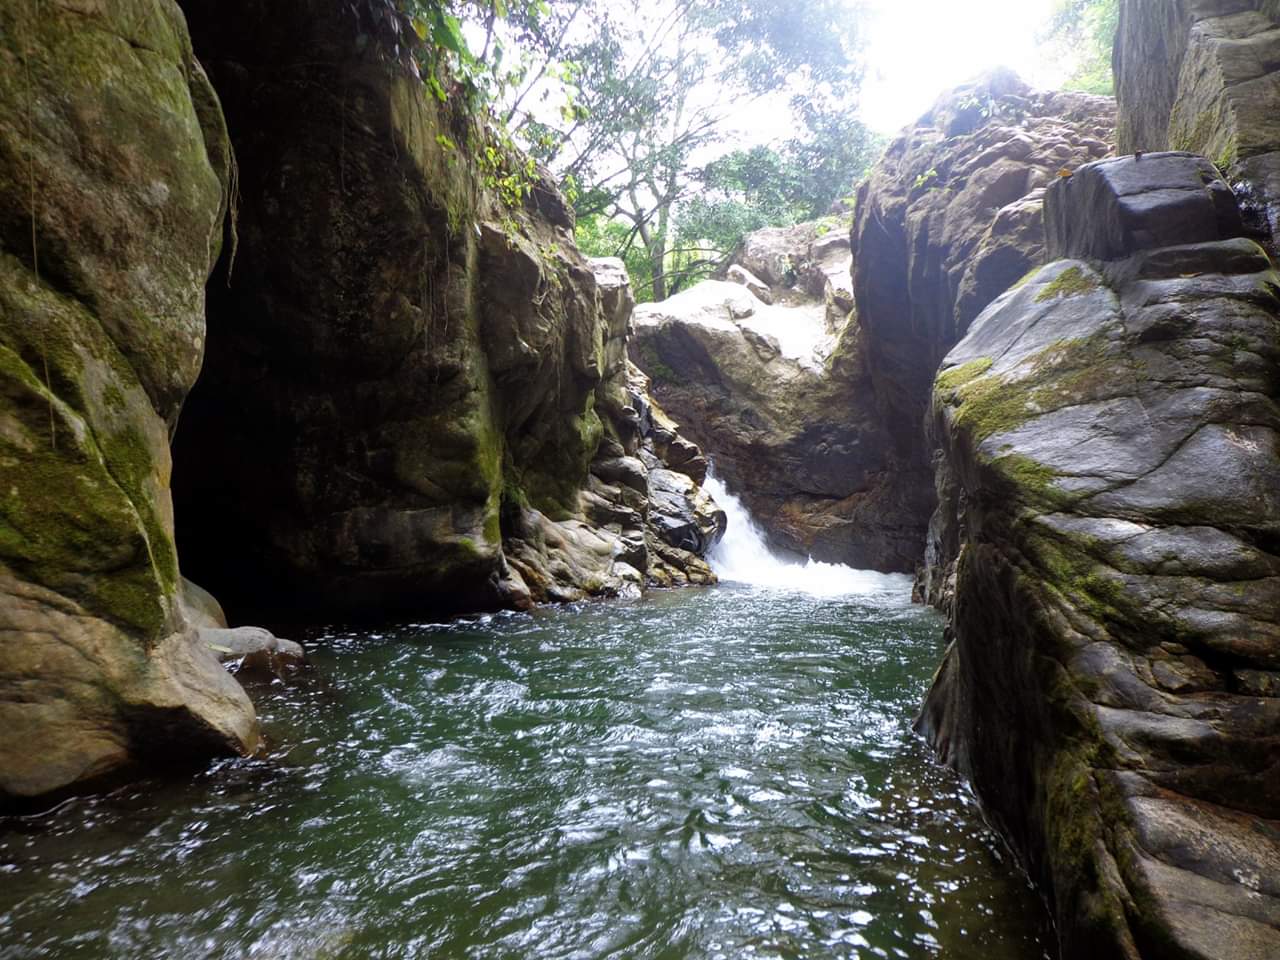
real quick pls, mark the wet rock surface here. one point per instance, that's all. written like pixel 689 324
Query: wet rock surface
pixel 1106 549
pixel 404 380
pixel 410 383
pixel 812 396
pixel 111 128
pixel 1204 77
pixel 253 650
pixel 948 219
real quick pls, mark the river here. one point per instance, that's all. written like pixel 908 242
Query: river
pixel 724 772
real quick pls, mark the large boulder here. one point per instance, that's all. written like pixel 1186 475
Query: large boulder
pixel 1109 210
pixel 114 168
pixel 785 408
pixel 1110 479
pixel 948 219
pixel 1205 77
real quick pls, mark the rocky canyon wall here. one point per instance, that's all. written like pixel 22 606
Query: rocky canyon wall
pixel 409 374
pixel 808 379
pixel 948 218
pixel 413 392
pixel 114 179
pixel 1106 543
pixel 767 374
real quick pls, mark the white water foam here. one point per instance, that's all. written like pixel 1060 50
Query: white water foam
pixel 744 557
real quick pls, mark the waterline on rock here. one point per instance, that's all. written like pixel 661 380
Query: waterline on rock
pixel 743 556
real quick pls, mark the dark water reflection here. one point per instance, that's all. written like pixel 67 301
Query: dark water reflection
pixel 720 773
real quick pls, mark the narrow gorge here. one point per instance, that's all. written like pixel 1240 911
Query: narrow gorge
pixel 379 578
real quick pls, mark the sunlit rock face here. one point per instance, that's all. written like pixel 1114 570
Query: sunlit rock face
pixel 808 379
pixel 114 168
pixel 1108 526
pixel 764 371
pixel 1106 543
pixel 949 218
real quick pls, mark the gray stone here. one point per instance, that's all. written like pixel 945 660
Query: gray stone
pixel 740 274
pixel 1105 548
pixel 1110 209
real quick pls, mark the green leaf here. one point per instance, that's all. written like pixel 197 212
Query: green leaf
pixel 448 34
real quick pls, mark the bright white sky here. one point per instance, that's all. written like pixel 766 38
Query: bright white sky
pixel 916 49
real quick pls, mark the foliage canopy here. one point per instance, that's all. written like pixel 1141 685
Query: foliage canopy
pixel 633 105
pixel 1084 31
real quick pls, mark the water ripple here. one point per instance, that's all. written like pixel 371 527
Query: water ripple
pixel 720 773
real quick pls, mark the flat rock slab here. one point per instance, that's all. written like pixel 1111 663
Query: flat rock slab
pixel 1110 209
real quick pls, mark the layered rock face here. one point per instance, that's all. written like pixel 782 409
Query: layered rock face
pixel 114 167
pixel 950 217
pixel 1111 480
pixel 1205 77
pixel 409 374
pixel 765 371
pixel 1106 544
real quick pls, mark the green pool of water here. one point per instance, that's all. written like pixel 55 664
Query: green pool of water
pixel 703 773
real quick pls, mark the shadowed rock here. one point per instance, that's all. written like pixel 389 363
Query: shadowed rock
pixel 111 128
pixel 411 380
pixel 1110 209
pixel 948 219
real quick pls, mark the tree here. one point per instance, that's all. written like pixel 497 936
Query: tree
pixel 1083 32
pixel 650 102
pixel 627 101
pixel 764 186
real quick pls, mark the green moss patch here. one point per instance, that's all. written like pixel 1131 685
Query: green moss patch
pixel 957 377
pixel 1065 372
pixel 1032 480
pixel 1086 583
pixel 1071 282
pixel 83 461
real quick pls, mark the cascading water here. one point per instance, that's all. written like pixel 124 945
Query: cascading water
pixel 743 556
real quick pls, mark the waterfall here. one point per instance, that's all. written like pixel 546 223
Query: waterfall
pixel 742 556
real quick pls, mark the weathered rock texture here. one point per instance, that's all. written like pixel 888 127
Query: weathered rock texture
pixel 751 371
pixel 1205 76
pixel 949 218
pixel 1111 505
pixel 1107 540
pixel 826 447
pixel 113 183
pixel 409 378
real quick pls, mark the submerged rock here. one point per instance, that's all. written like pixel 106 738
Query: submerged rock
pixel 252 650
pixel 1110 487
